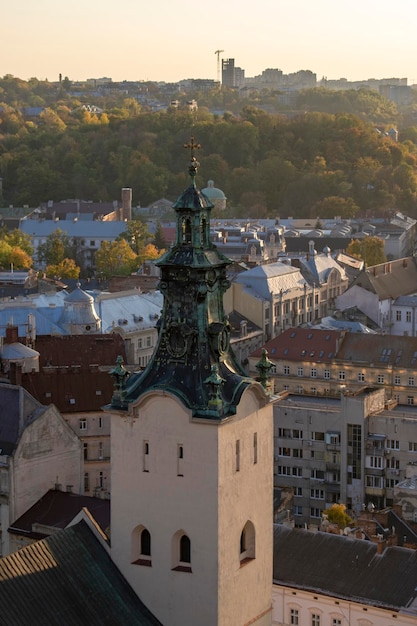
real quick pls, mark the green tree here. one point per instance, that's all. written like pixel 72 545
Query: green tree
pixel 115 258
pixel 335 205
pixel 136 235
pixel 56 248
pixel 369 249
pixel 158 239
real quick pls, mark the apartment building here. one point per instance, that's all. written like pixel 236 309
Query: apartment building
pixel 320 362
pixel 353 449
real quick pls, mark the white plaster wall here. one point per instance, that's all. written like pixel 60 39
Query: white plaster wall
pixel 350 613
pixel 210 503
pixel 48 452
pixel 366 301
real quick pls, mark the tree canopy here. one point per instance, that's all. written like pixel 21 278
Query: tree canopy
pixel 369 249
pixel 333 153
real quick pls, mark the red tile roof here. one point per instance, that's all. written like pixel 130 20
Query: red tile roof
pixel 74 371
pixel 303 344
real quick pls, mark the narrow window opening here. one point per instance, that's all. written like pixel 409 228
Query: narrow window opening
pixel 146 456
pixel 238 455
pixel 255 448
pixel 180 460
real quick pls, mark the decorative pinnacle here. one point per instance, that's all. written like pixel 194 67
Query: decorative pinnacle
pixel 194 163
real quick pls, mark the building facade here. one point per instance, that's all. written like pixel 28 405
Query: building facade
pixel 319 362
pixel 354 450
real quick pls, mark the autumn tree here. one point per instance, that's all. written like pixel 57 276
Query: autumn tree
pixel 336 514
pixel 369 249
pixel 18 239
pixel 115 257
pixel 13 257
pixel 148 253
pixel 65 269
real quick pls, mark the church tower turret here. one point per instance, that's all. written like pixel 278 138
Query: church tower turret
pixel 192 450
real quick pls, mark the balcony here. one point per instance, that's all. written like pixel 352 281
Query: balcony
pixel 375 491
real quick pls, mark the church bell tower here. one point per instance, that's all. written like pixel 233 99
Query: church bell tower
pixel 192 450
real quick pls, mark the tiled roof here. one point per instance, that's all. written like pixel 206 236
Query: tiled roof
pixel 71 374
pixel 345 568
pixel 303 344
pixel 56 509
pixel 380 350
pixel 67 579
pixel 391 279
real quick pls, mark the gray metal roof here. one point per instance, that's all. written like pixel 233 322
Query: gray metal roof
pixel 264 280
pixel 140 310
pixel 345 568
pixel 82 229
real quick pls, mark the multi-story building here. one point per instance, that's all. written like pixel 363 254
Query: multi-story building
pixel 71 372
pixel 321 579
pixel 353 449
pixel 37 450
pixel 404 316
pixel 323 362
pixel 376 289
pixel 277 296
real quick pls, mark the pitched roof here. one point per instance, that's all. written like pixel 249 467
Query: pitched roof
pixel 317 268
pixel 17 408
pixel 83 229
pixel 56 509
pixel 303 344
pixel 390 280
pixel 67 578
pixel 73 370
pixel 345 568
pixel 263 280
pixel 395 350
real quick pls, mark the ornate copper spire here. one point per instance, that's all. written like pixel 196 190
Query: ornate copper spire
pixel 193 359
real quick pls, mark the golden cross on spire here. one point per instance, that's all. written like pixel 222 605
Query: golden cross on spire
pixel 194 164
pixel 192 146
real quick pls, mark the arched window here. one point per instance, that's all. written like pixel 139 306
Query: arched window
pixel 247 543
pixel 145 542
pixel 181 552
pixel 185 549
pixel 141 546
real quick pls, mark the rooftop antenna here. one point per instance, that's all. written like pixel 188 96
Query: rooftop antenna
pixel 218 52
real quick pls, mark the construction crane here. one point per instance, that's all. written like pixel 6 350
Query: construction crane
pixel 218 52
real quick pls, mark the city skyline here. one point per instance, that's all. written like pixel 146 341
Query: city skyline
pixel 170 42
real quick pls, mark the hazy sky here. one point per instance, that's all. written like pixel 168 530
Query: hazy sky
pixel 175 39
